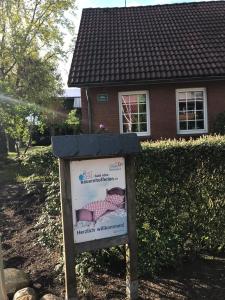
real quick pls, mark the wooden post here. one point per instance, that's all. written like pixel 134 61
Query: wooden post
pixel 3 295
pixel 67 219
pixel 131 247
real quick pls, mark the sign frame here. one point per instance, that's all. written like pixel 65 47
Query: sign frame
pixel 71 249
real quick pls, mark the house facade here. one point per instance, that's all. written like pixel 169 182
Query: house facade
pixel 158 71
pixel 163 113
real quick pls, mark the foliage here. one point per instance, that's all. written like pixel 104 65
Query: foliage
pixel 180 205
pixel 42 166
pixel 3 143
pixel 19 122
pixel 219 124
pixel 39 161
pixel 180 194
pixel 31 34
pixel 84 267
pixel 73 121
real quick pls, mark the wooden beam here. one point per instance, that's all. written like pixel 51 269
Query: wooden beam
pixel 131 247
pixel 67 220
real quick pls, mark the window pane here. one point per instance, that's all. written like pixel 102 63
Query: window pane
pixel 182 116
pixel 183 125
pixel 182 106
pixel 199 105
pixel 134 103
pixel 190 95
pixel 134 118
pixel 199 95
pixel 191 115
pixel 142 108
pixel 200 124
pixel 182 96
pixel 199 115
pixel 191 125
pixel 142 98
pixel 125 118
pixel 131 108
pixel 191 105
pixel 125 99
pixel 143 127
pixel 135 128
pixel 142 118
pixel 130 118
pixel 129 104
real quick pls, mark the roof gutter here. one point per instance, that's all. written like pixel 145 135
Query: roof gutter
pixel 156 81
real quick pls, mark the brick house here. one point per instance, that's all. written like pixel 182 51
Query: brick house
pixel 158 71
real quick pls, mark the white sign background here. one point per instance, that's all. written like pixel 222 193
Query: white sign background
pixel 89 181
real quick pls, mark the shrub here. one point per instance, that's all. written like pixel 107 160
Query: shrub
pixel 39 162
pixel 180 200
pixel 219 124
pixel 42 168
pixel 180 204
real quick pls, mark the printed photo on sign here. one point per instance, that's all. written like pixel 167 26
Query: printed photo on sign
pixel 98 198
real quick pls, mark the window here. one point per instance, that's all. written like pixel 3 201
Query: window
pixel 134 112
pixel 77 102
pixel 191 111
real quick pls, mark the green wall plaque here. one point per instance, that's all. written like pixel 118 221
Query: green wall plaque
pixel 102 98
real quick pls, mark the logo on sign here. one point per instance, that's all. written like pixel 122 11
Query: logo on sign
pixel 116 166
pixel 86 175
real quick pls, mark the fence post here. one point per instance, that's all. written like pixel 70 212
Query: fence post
pixel 3 295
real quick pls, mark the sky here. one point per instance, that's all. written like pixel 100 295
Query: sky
pixel 107 3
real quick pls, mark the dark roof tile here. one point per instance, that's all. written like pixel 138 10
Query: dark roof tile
pixel 149 43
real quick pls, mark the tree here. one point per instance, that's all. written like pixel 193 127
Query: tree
pixel 73 120
pixel 19 122
pixel 31 44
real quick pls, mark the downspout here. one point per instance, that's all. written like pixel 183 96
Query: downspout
pixel 90 129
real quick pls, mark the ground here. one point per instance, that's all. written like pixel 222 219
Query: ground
pixel 203 278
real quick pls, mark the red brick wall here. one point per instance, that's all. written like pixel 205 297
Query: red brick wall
pixel 162 106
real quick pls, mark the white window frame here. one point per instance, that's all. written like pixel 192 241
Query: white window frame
pixel 192 131
pixel 148 132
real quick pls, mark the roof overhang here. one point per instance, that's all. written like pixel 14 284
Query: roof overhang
pixel 144 82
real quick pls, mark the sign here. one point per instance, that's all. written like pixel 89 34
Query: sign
pixel 97 191
pixel 102 98
pixel 99 205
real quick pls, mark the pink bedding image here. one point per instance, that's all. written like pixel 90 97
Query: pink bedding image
pixel 115 200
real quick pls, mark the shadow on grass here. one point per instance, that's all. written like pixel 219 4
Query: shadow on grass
pixel 11 170
pixel 202 279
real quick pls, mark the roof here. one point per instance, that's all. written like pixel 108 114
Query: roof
pixel 95 145
pixel 149 43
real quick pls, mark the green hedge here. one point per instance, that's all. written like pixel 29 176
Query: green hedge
pixel 180 200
